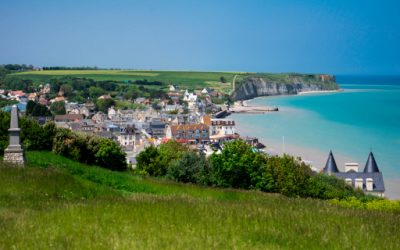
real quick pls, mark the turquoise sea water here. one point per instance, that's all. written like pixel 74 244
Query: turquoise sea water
pixel 365 116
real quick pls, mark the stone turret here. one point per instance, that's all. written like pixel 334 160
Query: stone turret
pixel 14 152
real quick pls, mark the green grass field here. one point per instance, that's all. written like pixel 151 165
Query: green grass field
pixel 60 204
pixel 185 79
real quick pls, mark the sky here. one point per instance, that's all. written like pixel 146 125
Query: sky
pixel 336 37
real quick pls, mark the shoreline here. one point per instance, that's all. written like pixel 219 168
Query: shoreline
pixel 313 155
pixel 312 92
pixel 317 159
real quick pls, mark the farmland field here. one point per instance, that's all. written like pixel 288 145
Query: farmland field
pixel 184 79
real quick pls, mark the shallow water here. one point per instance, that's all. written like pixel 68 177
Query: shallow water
pixel 364 117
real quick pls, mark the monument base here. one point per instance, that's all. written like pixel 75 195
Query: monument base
pixel 16 157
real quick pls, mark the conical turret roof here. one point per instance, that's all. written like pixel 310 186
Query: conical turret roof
pixel 330 166
pixel 371 166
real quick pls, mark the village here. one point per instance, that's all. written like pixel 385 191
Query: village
pixel 187 117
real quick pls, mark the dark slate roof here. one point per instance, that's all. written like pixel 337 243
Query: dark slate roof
pixel 330 166
pixel 377 177
pixel 371 166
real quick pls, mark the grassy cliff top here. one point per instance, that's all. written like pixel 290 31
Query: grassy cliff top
pixel 184 79
pixel 58 203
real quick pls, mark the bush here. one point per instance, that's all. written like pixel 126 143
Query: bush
pixel 190 167
pixel 329 187
pixel 110 155
pixel 155 161
pixel 147 161
pixel 233 167
pixel 89 149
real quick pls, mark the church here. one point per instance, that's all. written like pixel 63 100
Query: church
pixel 370 180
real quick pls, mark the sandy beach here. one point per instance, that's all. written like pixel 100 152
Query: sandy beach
pixel 318 92
pixel 315 157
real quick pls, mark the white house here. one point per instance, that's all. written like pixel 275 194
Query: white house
pixel 222 127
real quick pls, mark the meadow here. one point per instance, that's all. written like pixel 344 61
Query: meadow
pixel 184 79
pixel 61 204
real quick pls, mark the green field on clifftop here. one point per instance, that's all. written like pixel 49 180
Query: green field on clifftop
pixel 184 79
pixel 60 204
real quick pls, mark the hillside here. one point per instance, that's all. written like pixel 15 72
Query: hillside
pixel 221 81
pixel 58 203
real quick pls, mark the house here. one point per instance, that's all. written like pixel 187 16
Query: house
pixel 157 129
pixel 68 118
pixel 205 91
pixel 32 97
pixel 126 139
pixel 87 125
pixel 111 112
pixel 46 89
pixel 104 97
pixel 18 95
pixel 219 128
pixel 188 132
pixel 189 97
pixel 370 180
pixel 173 88
pixel 99 117
pixel 43 100
pixel 58 99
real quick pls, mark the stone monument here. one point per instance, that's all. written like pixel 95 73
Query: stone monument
pixel 14 152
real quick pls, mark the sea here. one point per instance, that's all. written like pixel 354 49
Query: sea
pixel 364 117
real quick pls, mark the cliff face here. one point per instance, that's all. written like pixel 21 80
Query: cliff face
pixel 255 86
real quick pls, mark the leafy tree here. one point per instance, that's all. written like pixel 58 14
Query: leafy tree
pixel 58 108
pixel 36 109
pixel 4 126
pixel 67 89
pixel 190 167
pixel 222 79
pixel 147 161
pixel 232 168
pixel 110 155
pixel 95 92
pixel 104 104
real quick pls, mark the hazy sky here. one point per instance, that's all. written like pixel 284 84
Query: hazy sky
pixel 338 36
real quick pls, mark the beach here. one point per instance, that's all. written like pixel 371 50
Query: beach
pixel 310 132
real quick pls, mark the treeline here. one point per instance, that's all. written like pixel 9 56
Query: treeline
pixel 238 166
pixel 78 89
pixel 6 69
pixel 69 68
pixel 80 147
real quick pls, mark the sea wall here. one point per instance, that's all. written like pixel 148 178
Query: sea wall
pixel 255 86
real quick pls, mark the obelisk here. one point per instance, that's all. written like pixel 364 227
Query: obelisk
pixel 14 153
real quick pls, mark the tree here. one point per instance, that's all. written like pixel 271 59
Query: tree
pixel 147 161
pixel 58 108
pixel 66 89
pixel 232 168
pixel 36 109
pixel 110 155
pixel 104 104
pixel 222 79
pixel 95 92
pixel 190 167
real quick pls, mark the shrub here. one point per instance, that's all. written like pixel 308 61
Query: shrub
pixel 329 187
pixel 110 155
pixel 147 161
pixel 231 167
pixel 290 174
pixel 190 167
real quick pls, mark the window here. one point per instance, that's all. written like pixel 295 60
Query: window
pixel 359 183
pixel 370 184
pixel 349 181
